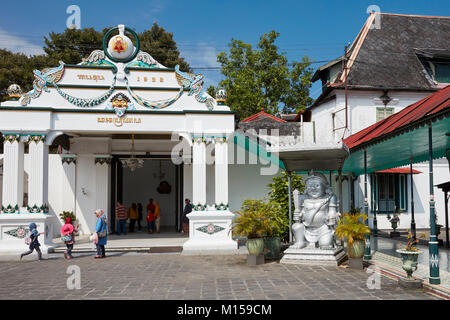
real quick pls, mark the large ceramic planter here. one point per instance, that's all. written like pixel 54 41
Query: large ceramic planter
pixel 409 259
pixel 356 249
pixel 273 246
pixel 255 246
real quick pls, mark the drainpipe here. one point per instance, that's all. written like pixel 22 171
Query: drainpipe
pixel 346 97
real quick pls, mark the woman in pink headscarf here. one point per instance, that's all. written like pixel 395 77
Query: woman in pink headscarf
pixel 68 237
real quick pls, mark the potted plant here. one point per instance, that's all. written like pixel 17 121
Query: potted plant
pixel 276 226
pixel 71 215
pixel 409 255
pixel 352 227
pixel 251 222
pixel 394 222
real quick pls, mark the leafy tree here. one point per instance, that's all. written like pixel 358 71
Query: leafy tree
pixel 262 78
pixel 72 45
pixel 279 193
pixel 160 45
pixel 18 68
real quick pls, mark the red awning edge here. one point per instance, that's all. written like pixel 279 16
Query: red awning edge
pixel 399 170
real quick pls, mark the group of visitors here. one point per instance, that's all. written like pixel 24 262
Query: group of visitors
pixel 100 236
pixel 134 213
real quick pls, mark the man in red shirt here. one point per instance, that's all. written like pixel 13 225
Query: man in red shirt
pixel 121 217
pixel 151 216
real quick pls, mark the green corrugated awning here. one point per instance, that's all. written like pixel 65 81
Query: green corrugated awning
pixel 396 151
pixel 257 149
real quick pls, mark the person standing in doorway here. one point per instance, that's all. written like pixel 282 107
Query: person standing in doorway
pixel 185 219
pixel 151 216
pixel 133 215
pixel 140 208
pixel 157 216
pixel 101 230
pixel 121 217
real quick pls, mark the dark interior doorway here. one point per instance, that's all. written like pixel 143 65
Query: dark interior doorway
pixel 159 179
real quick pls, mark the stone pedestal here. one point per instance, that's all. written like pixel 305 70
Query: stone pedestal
pixel 314 256
pixel 394 234
pixel 410 283
pixel 209 233
pixel 13 229
pixel 356 263
pixel 253 260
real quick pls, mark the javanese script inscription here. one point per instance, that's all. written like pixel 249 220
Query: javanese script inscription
pixel 118 122
pixel 95 77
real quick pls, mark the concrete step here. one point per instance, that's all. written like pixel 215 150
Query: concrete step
pixel 159 249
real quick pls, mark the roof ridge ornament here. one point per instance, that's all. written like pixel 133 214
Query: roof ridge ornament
pixel 119 48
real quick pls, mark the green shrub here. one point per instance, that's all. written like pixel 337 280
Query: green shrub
pixel 352 227
pixel 66 214
pixel 278 193
pixel 258 219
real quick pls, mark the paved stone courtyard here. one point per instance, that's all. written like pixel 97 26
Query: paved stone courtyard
pixel 174 276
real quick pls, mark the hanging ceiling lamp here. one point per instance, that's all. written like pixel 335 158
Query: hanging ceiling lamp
pixel 132 163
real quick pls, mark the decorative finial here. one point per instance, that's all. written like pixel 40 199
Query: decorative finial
pixel 221 97
pixel 14 91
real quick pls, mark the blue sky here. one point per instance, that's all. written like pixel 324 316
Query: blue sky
pixel 202 28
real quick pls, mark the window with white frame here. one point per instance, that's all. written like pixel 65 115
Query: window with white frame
pixel 383 113
pixel 391 192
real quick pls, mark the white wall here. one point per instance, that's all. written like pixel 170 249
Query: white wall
pixel 361 105
pixel 141 185
pixel 245 181
pixel 61 188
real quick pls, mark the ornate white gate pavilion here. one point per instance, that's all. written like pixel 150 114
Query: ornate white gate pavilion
pixel 116 92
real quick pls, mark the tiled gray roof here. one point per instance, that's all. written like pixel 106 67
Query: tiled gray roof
pixel 387 57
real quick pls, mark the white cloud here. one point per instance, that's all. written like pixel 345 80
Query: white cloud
pixel 157 6
pixel 17 44
pixel 202 55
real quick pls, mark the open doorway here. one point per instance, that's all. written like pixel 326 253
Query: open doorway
pixel 159 178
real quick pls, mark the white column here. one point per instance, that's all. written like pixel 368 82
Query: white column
pixel 38 175
pixel 199 172
pixel 102 179
pixel 221 173
pixel 13 174
pixel 68 185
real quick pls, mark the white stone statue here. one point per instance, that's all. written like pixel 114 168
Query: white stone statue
pixel 316 214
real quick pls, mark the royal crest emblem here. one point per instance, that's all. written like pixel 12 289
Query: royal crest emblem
pixel 120 103
pixel 118 44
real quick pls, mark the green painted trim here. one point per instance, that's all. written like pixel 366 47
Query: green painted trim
pixel 257 149
pixel 84 110
pixel 87 86
pixel 151 69
pixel 77 66
pixel 25 134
